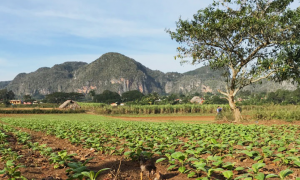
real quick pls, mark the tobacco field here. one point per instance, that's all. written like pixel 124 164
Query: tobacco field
pixel 195 151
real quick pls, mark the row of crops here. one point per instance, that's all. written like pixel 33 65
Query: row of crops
pixel 17 149
pixel 266 112
pixel 151 109
pixel 201 151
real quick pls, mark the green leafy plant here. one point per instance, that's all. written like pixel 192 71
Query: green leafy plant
pixel 12 171
pixel 60 159
pixel 228 175
pixel 181 158
pixel 91 175
pixel 76 168
pixel 284 173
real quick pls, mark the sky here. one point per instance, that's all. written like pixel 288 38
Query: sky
pixel 35 33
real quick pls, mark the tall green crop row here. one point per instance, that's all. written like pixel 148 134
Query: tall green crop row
pixel 197 150
pixel 265 112
pixel 158 109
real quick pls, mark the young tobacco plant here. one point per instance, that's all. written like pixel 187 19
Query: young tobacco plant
pixel 76 169
pixel 60 159
pixel 181 157
pixel 12 171
pixel 91 175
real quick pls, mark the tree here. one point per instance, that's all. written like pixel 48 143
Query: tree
pixel 60 97
pixel 6 95
pixel 250 39
pixel 27 98
pixel 150 98
pixel 92 93
pixel 132 95
pixel 107 97
pixel 217 100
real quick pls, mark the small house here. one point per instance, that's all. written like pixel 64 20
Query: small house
pixel 15 102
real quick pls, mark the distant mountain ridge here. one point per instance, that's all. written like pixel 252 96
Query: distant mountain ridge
pixel 115 72
pixel 3 84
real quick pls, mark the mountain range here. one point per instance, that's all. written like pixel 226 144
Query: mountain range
pixel 119 73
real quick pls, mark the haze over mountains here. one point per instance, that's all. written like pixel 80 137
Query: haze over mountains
pixel 119 73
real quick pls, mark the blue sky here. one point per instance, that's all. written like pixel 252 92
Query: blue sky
pixel 37 33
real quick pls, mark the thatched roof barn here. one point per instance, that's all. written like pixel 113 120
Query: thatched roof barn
pixel 197 100
pixel 69 104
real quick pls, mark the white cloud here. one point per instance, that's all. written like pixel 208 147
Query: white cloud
pixel 42 22
pixel 91 19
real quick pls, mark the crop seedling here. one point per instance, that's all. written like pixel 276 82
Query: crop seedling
pixel 11 171
pixel 181 158
pixel 60 159
pixel 92 174
pixel 76 169
pixel 228 175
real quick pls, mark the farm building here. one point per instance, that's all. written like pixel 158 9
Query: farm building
pixel 15 102
pixel 69 104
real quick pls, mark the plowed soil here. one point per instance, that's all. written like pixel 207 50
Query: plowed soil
pixel 38 167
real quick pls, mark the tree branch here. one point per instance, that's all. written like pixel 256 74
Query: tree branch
pixel 225 94
pixel 266 76
pixel 253 53
pixel 236 90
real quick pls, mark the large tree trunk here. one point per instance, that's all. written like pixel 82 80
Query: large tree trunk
pixel 235 110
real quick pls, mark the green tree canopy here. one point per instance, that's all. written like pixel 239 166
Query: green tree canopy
pixel 252 40
pixel 107 97
pixel 6 95
pixel 132 95
pixel 60 97
pixel 27 98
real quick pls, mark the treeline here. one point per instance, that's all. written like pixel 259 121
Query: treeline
pixel 60 97
pixel 282 97
pixel 135 97
pixel 6 96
